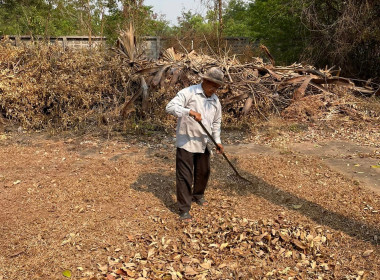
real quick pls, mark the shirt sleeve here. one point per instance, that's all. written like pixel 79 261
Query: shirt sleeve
pixel 176 106
pixel 216 124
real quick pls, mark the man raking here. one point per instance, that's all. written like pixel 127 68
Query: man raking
pixel 197 103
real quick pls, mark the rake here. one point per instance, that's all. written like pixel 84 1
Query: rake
pixel 224 155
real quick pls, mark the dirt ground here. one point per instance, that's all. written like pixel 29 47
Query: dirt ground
pixel 91 208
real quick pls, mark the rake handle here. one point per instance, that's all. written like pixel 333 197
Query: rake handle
pixel 216 144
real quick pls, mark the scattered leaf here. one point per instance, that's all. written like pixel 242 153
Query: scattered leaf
pixel 121 271
pixel 206 265
pixel 367 253
pixel 66 273
pixel 185 259
pixel 284 236
pixel 151 252
pixel 190 271
pixel 127 265
pixel 224 245
pixel 110 277
pixel 103 268
pixel 298 244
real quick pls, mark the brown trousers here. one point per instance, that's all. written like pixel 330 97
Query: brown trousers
pixel 191 168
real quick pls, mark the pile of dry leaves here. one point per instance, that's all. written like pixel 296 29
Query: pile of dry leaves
pixel 44 86
pixel 229 247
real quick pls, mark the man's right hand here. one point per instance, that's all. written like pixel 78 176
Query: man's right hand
pixel 195 115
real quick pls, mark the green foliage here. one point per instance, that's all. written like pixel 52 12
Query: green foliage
pixel 236 19
pixel 275 23
pixel 344 33
pixel 78 17
pixel 193 23
pixel 23 17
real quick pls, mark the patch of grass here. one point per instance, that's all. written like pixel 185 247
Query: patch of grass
pixel 298 127
pixel 285 152
pixel 143 127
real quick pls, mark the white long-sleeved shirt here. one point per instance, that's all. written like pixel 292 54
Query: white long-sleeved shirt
pixel 190 135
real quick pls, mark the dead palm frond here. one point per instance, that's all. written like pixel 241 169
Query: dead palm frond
pixel 126 44
pixel 169 55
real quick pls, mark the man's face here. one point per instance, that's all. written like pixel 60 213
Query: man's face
pixel 209 87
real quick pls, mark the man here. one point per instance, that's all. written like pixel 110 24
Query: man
pixel 192 105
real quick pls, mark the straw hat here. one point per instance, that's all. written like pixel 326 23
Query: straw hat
pixel 214 75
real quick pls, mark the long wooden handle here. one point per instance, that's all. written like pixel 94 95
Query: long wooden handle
pixel 216 144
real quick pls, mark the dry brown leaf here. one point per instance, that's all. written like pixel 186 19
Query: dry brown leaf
pixel 190 271
pixel 103 268
pixel 274 241
pixel 151 252
pixel 367 253
pixel 284 236
pixel 298 244
pixel 128 265
pixel 130 273
pixel 120 271
pixel 222 265
pixel 258 238
pixel 185 259
pixel 206 265
pixel 224 245
pixel 110 277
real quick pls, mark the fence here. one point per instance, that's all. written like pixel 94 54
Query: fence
pixel 65 41
pixel 153 45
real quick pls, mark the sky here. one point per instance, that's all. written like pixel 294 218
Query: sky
pixel 172 8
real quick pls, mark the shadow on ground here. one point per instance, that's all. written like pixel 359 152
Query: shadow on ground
pixel 160 185
pixel 163 187
pixel 314 211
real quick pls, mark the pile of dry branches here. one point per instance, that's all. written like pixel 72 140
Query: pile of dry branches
pixel 44 86
pixel 258 89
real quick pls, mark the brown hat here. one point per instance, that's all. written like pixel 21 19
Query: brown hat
pixel 214 75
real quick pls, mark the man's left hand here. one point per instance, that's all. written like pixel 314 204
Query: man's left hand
pixel 220 149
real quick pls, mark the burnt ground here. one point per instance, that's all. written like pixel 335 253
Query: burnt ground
pixel 106 208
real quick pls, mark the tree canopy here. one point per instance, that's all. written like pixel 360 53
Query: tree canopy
pixel 344 33
pixel 77 17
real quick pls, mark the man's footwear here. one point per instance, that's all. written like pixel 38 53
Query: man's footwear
pixel 202 202
pixel 185 217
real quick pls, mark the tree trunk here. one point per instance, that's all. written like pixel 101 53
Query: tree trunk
pixel 220 14
pixel 89 23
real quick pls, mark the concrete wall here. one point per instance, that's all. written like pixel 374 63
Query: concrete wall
pixel 238 44
pixel 64 41
pixel 151 44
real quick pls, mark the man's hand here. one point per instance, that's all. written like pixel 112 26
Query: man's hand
pixel 195 115
pixel 220 149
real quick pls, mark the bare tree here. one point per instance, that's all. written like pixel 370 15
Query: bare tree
pixel 220 16
pixel 343 32
pixel 218 8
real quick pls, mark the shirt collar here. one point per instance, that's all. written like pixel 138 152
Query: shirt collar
pixel 199 89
